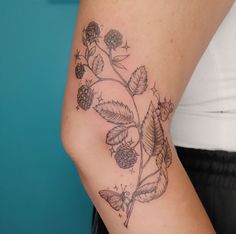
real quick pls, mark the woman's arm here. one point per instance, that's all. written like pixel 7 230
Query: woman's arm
pixel 130 63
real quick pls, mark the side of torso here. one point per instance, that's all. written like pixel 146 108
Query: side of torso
pixel 206 115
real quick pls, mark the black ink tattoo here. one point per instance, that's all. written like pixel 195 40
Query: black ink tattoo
pixel 125 46
pixel 118 201
pixel 150 145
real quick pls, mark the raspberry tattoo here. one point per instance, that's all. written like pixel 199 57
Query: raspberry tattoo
pixel 125 156
pixel 113 39
pixel 79 70
pixel 92 32
pixel 85 97
pixel 137 138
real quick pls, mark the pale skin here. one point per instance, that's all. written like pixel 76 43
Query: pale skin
pixel 168 39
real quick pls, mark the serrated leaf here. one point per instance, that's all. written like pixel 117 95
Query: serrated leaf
pixel 98 64
pixel 138 81
pixel 153 190
pixel 168 154
pixel 115 112
pixel 119 58
pixel 160 157
pixel 152 132
pixel 162 181
pixel 165 155
pixel 92 51
pixel 116 135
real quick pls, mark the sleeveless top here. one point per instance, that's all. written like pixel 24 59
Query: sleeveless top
pixel 206 115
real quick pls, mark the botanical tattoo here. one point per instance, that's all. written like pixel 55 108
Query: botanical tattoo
pixel 150 145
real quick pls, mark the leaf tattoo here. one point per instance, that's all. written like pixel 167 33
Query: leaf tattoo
pixel 167 154
pixel 98 64
pixel 138 81
pixel 146 192
pixel 119 65
pixel 153 136
pixel 119 58
pixel 115 112
pixel 92 51
pixel 150 142
pixel 116 135
pixel 116 61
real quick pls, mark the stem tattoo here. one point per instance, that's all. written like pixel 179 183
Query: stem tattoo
pixel 151 145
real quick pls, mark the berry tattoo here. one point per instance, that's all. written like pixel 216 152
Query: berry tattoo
pixel 85 97
pixel 125 156
pixel 91 33
pixel 150 146
pixel 79 71
pixel 113 39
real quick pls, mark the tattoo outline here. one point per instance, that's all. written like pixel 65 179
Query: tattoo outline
pixel 151 142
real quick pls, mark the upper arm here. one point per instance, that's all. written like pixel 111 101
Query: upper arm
pixel 124 51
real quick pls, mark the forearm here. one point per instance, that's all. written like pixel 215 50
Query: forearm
pixel 120 95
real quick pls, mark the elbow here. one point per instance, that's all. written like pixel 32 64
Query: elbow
pixel 68 138
pixel 80 137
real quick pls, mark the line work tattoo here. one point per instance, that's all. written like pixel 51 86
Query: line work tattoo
pixel 150 146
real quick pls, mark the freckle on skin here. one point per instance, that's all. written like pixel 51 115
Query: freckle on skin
pixel 171 41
